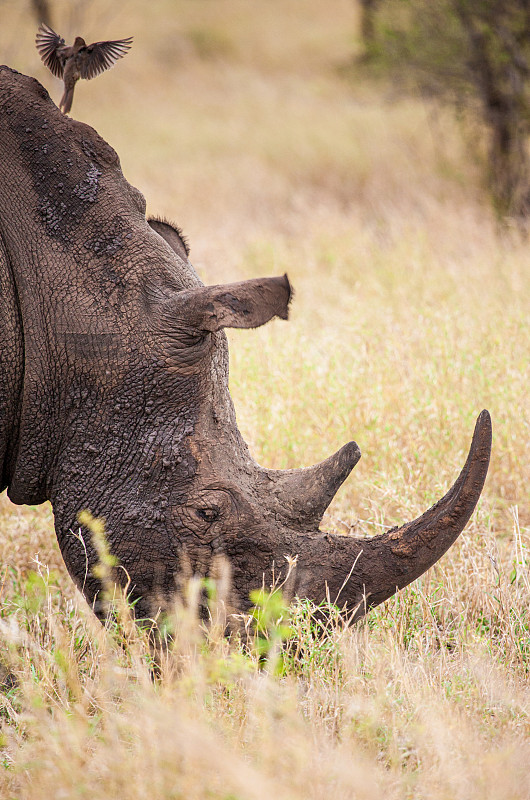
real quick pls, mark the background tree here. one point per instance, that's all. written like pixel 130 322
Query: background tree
pixel 42 11
pixel 368 33
pixel 475 53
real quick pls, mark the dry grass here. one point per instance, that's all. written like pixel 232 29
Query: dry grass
pixel 410 316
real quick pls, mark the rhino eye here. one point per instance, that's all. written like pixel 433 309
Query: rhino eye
pixel 209 509
pixel 208 514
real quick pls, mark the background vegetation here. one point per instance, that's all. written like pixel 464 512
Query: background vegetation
pixel 476 55
pixel 251 126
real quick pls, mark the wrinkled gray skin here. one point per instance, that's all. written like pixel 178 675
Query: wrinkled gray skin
pixel 114 391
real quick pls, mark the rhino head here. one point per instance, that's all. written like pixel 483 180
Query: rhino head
pixel 114 393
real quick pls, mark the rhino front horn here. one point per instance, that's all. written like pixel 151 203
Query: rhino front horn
pixel 363 572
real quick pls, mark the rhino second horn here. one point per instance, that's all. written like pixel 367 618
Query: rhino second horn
pixel 305 494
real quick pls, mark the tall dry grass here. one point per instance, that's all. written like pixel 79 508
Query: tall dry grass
pixel 247 125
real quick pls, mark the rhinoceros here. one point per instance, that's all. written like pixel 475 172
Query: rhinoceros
pixel 114 392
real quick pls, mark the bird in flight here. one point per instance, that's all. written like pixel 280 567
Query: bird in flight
pixel 81 60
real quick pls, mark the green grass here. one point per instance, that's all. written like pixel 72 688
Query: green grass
pixel 410 315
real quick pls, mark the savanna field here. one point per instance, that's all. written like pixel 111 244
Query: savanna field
pixel 253 127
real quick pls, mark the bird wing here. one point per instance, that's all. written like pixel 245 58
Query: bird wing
pixel 48 43
pixel 101 55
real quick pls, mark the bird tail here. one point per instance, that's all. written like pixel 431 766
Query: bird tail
pixel 67 99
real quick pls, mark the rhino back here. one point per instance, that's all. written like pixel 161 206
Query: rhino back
pixel 78 255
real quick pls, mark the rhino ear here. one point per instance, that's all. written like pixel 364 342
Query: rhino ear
pixel 247 304
pixel 172 234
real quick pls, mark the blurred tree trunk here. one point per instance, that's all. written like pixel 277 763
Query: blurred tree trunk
pixel 42 11
pixel 474 53
pixel 500 71
pixel 368 8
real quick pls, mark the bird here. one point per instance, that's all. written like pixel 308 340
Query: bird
pixel 78 61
